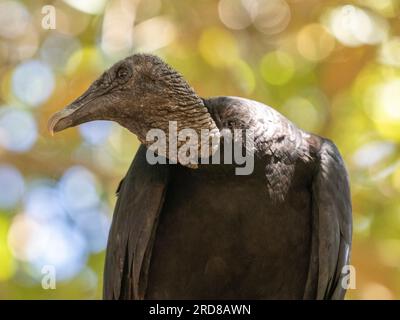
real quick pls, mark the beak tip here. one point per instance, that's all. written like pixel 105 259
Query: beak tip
pixel 59 121
pixel 50 127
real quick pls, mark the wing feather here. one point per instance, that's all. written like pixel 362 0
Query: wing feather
pixel 140 200
pixel 332 226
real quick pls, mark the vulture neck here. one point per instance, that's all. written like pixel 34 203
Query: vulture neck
pixel 186 110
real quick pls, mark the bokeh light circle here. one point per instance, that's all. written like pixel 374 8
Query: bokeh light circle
pixel 55 244
pixel 14 19
pixel 95 225
pixel 233 14
pixel 88 6
pixel 389 52
pixel 12 186
pixel 153 34
pixel 218 47
pixel 373 152
pixel 33 82
pixel 42 201
pixel 18 130
pixel 302 112
pixel 389 97
pixel 314 42
pixel 57 49
pixel 23 237
pixel 277 67
pixel 78 189
pixel 354 26
pixel 95 132
pixel 271 16
pixel 65 250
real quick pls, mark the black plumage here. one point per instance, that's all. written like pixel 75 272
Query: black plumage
pixel 282 232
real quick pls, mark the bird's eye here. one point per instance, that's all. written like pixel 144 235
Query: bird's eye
pixel 122 73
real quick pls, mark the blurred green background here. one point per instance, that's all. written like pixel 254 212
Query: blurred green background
pixel 332 67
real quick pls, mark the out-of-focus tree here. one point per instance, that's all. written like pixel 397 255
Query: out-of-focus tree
pixel 332 67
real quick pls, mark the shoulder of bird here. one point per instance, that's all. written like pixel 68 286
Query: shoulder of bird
pixel 279 143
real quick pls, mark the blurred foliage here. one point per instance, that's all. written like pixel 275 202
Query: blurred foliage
pixel 332 67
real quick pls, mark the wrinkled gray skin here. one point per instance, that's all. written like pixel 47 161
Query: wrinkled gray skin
pixel 283 232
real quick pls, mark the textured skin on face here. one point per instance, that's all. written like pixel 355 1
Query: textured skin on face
pixel 155 95
pixel 141 93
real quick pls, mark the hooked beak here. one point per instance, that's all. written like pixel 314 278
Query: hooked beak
pixel 80 111
pixel 60 120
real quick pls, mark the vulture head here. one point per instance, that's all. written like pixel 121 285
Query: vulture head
pixel 141 92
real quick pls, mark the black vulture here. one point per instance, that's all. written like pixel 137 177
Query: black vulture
pixel 183 231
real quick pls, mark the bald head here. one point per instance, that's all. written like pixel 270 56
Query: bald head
pixel 140 92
